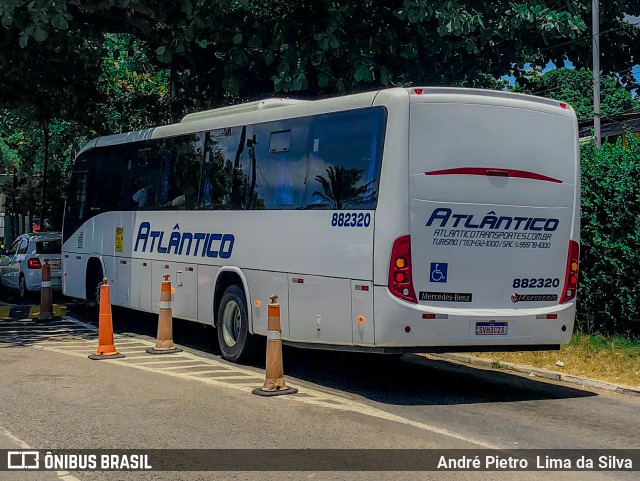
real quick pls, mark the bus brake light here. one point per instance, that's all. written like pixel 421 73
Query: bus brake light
pixel 400 282
pixel 571 276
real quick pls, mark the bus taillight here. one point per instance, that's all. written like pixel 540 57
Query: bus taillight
pixel 571 277
pixel 400 281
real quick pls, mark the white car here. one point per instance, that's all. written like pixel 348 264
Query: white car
pixel 21 265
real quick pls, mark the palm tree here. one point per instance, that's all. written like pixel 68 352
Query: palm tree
pixel 341 187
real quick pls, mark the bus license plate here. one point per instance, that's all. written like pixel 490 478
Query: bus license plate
pixel 491 328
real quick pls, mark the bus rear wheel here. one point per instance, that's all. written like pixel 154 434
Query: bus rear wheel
pixel 234 339
pixel 93 292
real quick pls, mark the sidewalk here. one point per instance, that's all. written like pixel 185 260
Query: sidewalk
pixel 538 372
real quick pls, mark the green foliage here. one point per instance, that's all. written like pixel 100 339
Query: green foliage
pixel 135 91
pixel 609 292
pixel 575 87
pixel 9 158
pixel 231 49
pixel 24 136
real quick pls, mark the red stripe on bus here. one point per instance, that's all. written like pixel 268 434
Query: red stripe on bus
pixel 522 174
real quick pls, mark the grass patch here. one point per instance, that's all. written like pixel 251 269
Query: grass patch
pixel 612 359
pixel 497 365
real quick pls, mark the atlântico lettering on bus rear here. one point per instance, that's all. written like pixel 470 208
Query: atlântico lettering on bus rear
pixel 492 221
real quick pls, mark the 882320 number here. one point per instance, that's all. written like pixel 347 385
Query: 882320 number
pixel 535 283
pixel 351 219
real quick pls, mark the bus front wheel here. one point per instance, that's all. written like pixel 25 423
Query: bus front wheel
pixel 234 338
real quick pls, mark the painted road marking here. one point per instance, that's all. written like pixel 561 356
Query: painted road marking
pixel 63 475
pixel 218 373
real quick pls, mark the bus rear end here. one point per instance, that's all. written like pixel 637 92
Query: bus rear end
pixel 490 260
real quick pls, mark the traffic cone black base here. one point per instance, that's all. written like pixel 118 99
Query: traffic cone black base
pixel 98 357
pixel 280 392
pixel 153 350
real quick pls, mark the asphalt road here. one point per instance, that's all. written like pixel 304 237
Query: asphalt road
pixel 52 396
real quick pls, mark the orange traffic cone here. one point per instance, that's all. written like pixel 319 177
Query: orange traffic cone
pixel 274 384
pixel 106 349
pixel 164 343
pixel 46 301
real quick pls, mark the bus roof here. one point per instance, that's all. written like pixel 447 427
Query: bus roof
pixel 236 109
pixel 280 108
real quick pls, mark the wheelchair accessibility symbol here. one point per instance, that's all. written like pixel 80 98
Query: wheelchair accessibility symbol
pixel 438 272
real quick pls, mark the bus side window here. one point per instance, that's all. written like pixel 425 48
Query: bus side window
pixel 280 150
pixel 345 151
pixel 76 208
pixel 182 172
pixel 144 175
pixel 107 180
pixel 225 172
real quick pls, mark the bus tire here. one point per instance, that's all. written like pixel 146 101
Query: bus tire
pixel 93 294
pixel 234 339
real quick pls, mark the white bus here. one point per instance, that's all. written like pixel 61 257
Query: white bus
pixel 401 220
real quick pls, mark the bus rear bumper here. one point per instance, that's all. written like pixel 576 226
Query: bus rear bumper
pixel 401 324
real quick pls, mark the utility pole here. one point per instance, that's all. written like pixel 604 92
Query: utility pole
pixel 595 21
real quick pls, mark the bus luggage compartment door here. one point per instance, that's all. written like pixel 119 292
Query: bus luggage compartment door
pixel 319 309
pixel 123 283
pixel 362 313
pixel 141 285
pixel 184 281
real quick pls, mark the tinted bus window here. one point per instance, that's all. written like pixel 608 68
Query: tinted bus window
pixel 144 174
pixel 76 204
pixel 345 150
pixel 108 173
pixel 180 172
pixel 225 172
pixel 280 150
pixel 98 183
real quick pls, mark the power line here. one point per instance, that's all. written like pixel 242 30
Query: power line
pixel 629 24
pixel 612 121
pixel 609 75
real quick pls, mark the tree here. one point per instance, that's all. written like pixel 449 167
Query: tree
pixel 9 158
pixel 342 187
pixel 220 51
pixel 609 294
pixel 135 92
pixel 575 87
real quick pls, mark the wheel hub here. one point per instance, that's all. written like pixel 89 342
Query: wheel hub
pixel 231 323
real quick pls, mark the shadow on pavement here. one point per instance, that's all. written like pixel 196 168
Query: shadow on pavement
pixel 407 380
pixel 29 332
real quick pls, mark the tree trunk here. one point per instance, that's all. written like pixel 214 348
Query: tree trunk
pixel 45 167
pixel 173 80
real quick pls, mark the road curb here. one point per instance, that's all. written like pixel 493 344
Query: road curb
pixel 540 372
